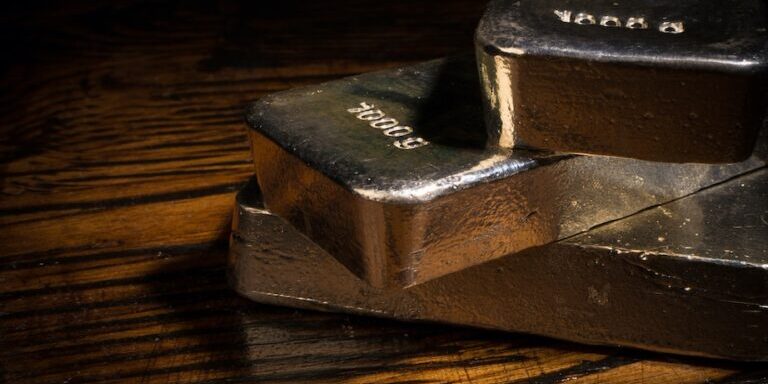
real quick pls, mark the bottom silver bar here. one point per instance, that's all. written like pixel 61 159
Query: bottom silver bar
pixel 688 277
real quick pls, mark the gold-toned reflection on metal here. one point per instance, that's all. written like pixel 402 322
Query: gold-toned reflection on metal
pixel 327 162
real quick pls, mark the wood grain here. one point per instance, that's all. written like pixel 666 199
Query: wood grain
pixel 122 147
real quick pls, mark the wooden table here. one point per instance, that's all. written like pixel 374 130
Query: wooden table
pixel 123 144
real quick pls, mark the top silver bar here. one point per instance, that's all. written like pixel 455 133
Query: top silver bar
pixel 674 81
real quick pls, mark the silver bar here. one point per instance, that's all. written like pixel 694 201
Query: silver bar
pixel 688 277
pixel 674 81
pixel 388 172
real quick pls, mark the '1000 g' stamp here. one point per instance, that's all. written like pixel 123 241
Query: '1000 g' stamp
pixel 390 127
pixel 636 22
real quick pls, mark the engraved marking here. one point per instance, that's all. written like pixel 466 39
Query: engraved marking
pixel 564 16
pixel 384 123
pixel 672 27
pixel 398 131
pixel 609 21
pixel 363 107
pixel 584 19
pixel 370 115
pixel 637 23
pixel 411 143
pixel 389 126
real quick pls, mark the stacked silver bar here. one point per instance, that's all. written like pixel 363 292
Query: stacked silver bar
pixel 687 277
pixel 377 194
pixel 675 81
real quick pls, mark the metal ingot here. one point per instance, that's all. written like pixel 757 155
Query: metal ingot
pixel 674 81
pixel 688 277
pixel 388 172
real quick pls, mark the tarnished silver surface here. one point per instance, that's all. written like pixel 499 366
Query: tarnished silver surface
pixel 388 172
pixel 688 277
pixel 676 81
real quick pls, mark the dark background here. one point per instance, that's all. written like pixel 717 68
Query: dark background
pixel 122 146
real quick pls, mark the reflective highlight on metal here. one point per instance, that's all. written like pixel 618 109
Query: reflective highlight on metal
pixel 688 277
pixel 674 81
pixel 388 172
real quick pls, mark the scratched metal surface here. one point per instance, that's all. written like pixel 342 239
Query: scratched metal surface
pixel 693 96
pixel 660 280
pixel 400 217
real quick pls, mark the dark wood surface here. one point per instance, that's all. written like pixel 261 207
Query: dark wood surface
pixel 122 146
